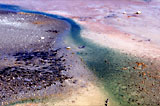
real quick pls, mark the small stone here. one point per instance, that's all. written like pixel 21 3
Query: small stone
pixel 138 12
pixel 106 102
pixel 124 68
pixel 68 48
pixel 73 101
pixel 42 37
pixel 81 47
pixel 124 12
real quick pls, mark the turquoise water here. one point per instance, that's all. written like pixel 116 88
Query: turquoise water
pixel 124 85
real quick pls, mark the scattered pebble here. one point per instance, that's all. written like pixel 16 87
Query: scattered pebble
pixel 111 16
pixel 68 48
pixel 138 12
pixel 73 101
pixel 124 12
pixel 81 47
pixel 37 70
pixel 42 37
pixel 106 102
pixel 53 31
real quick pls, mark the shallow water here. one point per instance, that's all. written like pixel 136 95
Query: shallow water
pixel 128 79
pixel 120 78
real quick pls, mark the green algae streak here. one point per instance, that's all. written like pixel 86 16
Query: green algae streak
pixel 124 76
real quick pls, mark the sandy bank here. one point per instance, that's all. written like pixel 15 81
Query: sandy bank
pixel 89 95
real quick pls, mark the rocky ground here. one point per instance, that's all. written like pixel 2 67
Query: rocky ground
pixel 29 62
pixel 31 72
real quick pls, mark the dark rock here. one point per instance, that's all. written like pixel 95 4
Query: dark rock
pixel 81 47
pixel 32 75
pixel 111 16
pixel 53 31
pixel 106 102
